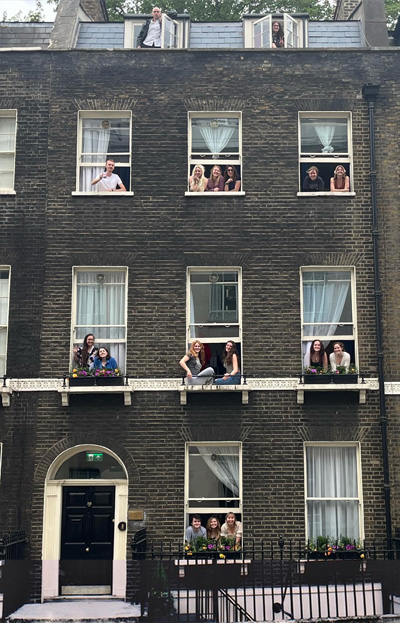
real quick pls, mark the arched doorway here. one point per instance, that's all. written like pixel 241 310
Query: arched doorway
pixel 84 524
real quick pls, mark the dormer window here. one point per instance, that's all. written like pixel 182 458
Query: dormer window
pixel 276 31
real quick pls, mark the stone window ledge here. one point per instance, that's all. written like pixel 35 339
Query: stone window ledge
pixel 222 193
pixel 7 191
pixel 184 390
pixel 325 193
pixel 123 193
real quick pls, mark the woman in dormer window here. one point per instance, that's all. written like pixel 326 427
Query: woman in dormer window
pixel 340 182
pixel 198 181
pixel 278 40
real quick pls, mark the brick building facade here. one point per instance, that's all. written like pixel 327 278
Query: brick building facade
pixel 270 236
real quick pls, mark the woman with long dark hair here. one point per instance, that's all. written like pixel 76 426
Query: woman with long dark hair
pixel 84 355
pixel 193 362
pixel 278 40
pixel 231 179
pixel 316 357
pixel 230 361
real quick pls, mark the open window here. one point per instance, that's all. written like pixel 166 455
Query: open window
pixel 333 490
pixel 328 310
pixel 4 309
pixel 213 483
pixel 103 135
pixel 99 306
pixel 324 143
pixel 214 311
pixel 288 35
pixel 8 130
pixel 215 140
pixel 169 33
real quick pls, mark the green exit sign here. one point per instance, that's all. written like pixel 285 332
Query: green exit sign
pixel 92 457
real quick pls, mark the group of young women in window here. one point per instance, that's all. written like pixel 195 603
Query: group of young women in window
pixel 340 182
pixel 213 530
pixel 89 356
pixel 197 374
pixel 217 182
pixel 318 358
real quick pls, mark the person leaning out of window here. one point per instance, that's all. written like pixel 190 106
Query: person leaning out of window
pixel 231 179
pixel 198 181
pixel 230 361
pixel 278 40
pixel 85 355
pixel 104 361
pixel 340 182
pixel 216 180
pixel 193 362
pixel 232 528
pixel 316 357
pixel 108 180
pixel 339 357
pixel 312 182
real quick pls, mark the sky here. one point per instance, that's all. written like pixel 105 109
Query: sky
pixel 12 7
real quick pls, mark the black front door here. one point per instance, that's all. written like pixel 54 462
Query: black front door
pixel 87 540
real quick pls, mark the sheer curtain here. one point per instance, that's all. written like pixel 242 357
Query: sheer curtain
pixel 325 133
pixel 101 301
pixel 95 140
pixel 224 464
pixel 323 302
pixel 216 139
pixel 332 473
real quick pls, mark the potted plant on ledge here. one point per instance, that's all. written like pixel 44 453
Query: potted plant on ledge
pixel 84 377
pixel 329 548
pixel 316 375
pixel 344 375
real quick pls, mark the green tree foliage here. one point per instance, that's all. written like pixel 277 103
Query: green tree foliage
pixel 35 15
pixel 220 10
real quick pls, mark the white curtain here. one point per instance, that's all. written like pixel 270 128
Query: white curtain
pixel 102 303
pixel 95 141
pixel 325 133
pixel 332 473
pixel 224 464
pixel 323 301
pixel 216 139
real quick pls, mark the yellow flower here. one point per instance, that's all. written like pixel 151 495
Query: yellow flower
pixel 362 556
pixel 74 370
pixel 189 553
pixel 187 547
pixel 74 376
pixel 222 555
pixel 116 370
pixel 204 547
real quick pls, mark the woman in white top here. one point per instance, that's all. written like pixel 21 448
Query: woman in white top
pixel 339 357
pixel 232 527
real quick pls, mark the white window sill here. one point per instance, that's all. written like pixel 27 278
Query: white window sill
pixel 326 193
pixel 124 193
pixel 222 193
pixel 7 191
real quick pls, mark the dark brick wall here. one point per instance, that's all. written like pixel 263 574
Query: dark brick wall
pixel 157 233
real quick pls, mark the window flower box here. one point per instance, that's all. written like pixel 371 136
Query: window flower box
pixel 345 378
pixel 316 378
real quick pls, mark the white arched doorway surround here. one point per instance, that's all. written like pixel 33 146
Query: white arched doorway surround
pixel 52 517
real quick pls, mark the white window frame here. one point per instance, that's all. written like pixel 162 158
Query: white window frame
pixel 6 326
pixel 333 159
pixel 214 340
pixel 77 342
pixel 189 510
pixel 132 23
pixel 330 444
pixel 106 115
pixel 222 160
pixel 337 337
pixel 294 31
pixel 170 38
pixel 10 190
pixel 1 458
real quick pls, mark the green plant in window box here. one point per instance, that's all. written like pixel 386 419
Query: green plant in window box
pixel 327 547
pixel 101 372
pixel 343 370
pixel 316 370
pixel 79 373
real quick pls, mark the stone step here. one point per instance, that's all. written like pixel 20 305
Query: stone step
pixel 83 610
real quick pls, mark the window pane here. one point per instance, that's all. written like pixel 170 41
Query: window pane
pixel 325 136
pixel 327 296
pixel 214 298
pixel 2 365
pixel 6 180
pixel 218 331
pixel 91 464
pixel 3 341
pixel 215 135
pixel 6 162
pixel 213 472
pixel 334 519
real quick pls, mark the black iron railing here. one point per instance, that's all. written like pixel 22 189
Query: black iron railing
pixel 12 545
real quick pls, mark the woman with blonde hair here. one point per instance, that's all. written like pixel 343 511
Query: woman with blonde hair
pixel 340 182
pixel 198 181
pixel 232 527
pixel 193 362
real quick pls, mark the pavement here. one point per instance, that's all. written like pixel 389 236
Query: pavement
pixel 83 610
